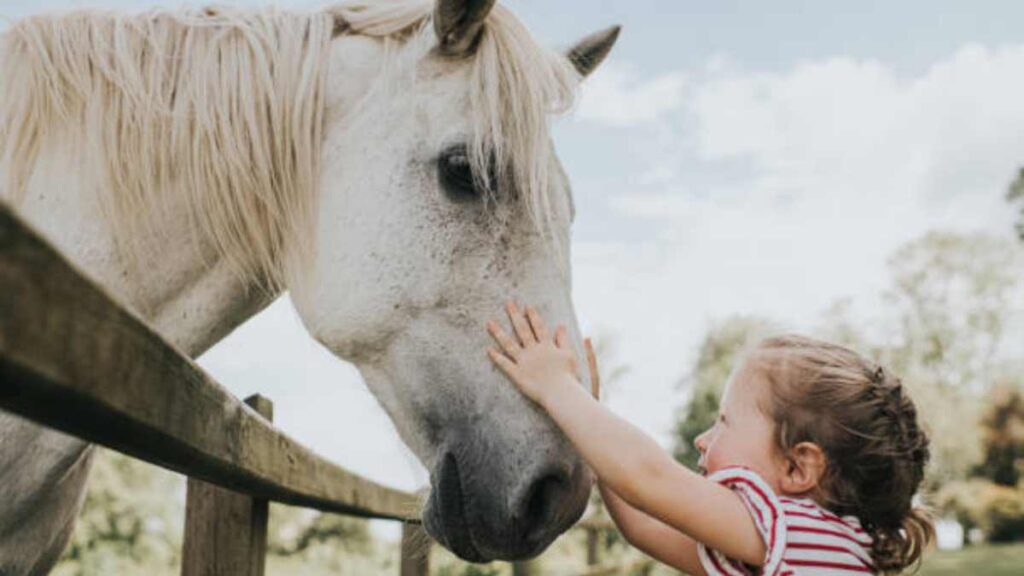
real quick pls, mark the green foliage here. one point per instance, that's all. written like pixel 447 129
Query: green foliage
pixel 131 520
pixel 1002 560
pixel 699 415
pixel 998 511
pixel 296 531
pixel 836 325
pixel 308 542
pixel 949 303
pixel 1004 515
pixel 444 563
pixel 132 523
pixel 1003 437
pixel 961 500
pixel 349 533
pixel 1015 195
pixel 950 295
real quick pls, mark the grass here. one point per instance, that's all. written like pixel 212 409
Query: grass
pixel 986 560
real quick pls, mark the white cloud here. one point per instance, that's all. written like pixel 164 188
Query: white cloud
pixel 853 128
pixel 614 96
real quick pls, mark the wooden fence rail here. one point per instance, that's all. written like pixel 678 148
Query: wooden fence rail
pixel 73 359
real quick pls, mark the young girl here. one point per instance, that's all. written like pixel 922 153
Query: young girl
pixel 811 467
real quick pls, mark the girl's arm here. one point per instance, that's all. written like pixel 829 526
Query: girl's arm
pixel 624 458
pixel 648 534
pixel 651 536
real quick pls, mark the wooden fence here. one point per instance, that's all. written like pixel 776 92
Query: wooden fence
pixel 73 359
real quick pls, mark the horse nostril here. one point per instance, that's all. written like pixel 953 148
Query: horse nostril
pixel 540 505
pixel 450 484
pixel 450 498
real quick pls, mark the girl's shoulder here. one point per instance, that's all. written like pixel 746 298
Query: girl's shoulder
pixel 806 515
pixel 801 536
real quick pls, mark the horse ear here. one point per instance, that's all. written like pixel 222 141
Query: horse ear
pixel 458 24
pixel 589 52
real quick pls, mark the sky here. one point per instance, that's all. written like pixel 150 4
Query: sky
pixel 729 158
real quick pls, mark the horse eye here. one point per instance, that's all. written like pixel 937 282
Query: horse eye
pixel 456 174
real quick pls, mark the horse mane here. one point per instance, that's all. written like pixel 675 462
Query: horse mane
pixel 229 105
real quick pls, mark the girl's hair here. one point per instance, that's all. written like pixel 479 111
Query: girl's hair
pixel 865 422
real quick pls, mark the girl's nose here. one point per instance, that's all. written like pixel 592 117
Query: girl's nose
pixel 701 442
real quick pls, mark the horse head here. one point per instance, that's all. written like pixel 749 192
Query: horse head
pixel 441 197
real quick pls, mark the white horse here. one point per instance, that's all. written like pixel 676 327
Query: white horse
pixel 388 163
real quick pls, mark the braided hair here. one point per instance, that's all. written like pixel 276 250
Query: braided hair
pixel 864 421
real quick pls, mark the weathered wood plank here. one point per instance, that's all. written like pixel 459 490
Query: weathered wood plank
pixel 593 539
pixel 415 551
pixel 226 532
pixel 72 359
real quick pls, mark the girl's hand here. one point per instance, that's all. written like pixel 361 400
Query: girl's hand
pixel 534 360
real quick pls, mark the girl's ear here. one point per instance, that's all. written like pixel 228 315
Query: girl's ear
pixel 805 468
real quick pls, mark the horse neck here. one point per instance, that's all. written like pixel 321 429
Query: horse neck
pixel 179 285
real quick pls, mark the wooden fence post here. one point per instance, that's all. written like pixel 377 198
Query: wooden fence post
pixel 526 568
pixel 593 538
pixel 225 532
pixel 415 550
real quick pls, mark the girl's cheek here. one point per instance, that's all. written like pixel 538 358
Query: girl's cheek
pixel 717 454
pixel 710 457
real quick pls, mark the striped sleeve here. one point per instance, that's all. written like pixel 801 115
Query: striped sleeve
pixel 766 511
pixel 821 541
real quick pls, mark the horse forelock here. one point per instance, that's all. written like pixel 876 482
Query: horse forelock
pixel 229 104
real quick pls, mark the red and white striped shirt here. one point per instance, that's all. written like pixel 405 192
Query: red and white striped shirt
pixel 802 538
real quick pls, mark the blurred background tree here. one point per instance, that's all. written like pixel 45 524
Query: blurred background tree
pixel 1002 429
pixel 131 520
pixel 1015 195
pixel 949 303
pixel 950 295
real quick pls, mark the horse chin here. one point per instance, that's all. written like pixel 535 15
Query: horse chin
pixel 455 536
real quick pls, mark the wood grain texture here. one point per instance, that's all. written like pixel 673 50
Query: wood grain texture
pixel 226 532
pixel 415 551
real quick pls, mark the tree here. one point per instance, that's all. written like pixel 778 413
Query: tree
pixel 1015 195
pixel 719 352
pixel 950 294
pixel 950 298
pixel 836 325
pixel 306 537
pixel 1003 437
pixel 131 520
